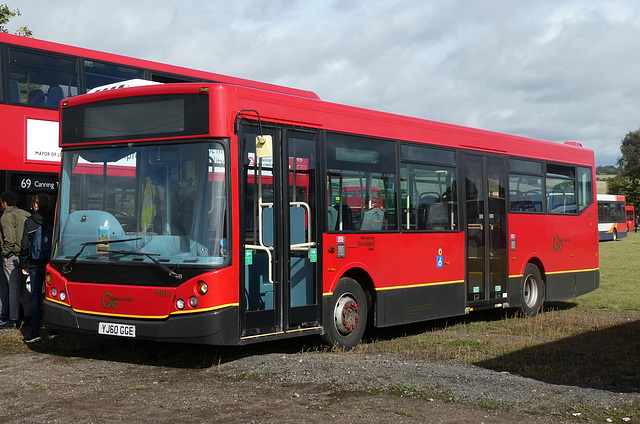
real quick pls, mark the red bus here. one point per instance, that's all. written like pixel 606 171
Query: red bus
pixel 612 219
pixel 630 211
pixel 218 239
pixel 35 75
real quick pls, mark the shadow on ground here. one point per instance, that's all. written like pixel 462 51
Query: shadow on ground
pixel 173 355
pixel 606 359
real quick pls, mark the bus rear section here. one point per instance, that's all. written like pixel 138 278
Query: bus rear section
pixel 630 212
pixel 612 220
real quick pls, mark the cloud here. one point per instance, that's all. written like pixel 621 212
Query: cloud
pixel 546 69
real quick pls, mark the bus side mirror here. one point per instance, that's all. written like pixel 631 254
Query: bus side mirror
pixel 264 146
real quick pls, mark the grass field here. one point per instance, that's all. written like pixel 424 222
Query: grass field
pixel 590 341
pixel 619 276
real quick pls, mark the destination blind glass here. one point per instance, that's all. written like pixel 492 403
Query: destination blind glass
pixel 130 118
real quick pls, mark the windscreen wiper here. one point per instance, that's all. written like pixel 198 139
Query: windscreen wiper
pixel 163 267
pixel 68 267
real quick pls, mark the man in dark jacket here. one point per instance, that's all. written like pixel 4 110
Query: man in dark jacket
pixel 35 268
pixel 12 223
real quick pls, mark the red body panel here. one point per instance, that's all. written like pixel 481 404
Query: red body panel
pixel 554 241
pixel 378 255
pixel 146 301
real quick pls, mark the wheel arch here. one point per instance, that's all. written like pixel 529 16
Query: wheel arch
pixel 366 282
pixel 535 260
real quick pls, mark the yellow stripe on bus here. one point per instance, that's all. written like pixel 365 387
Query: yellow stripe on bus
pixel 560 272
pixel 190 311
pixel 437 283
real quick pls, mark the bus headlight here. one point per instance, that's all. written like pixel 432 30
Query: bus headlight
pixel 193 301
pixel 180 304
pixel 202 288
pixel 54 292
pixel 63 296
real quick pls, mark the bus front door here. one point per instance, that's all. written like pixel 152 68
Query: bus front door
pixel 280 291
pixel 486 229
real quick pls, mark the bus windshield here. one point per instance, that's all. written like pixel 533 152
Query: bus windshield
pixel 143 204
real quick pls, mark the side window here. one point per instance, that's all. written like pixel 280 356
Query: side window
pixel 561 189
pixel 100 73
pixel 525 186
pixel 361 184
pixel 41 80
pixel 429 198
pixel 585 188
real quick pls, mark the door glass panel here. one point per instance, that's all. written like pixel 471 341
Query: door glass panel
pixel 475 195
pixel 259 228
pixel 301 195
pixel 497 227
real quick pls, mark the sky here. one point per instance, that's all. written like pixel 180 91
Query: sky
pixel 548 69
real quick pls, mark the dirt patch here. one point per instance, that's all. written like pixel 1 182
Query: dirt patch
pixel 105 380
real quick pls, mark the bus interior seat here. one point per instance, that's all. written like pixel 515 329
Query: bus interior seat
pixel 347 218
pixel 422 216
pixel 36 97
pixel 332 218
pixel 14 89
pixel 438 217
pixel 372 220
pixel 54 96
pixel 425 200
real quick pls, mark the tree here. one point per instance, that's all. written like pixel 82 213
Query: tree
pixel 5 16
pixel 607 170
pixel 630 160
pixel 628 183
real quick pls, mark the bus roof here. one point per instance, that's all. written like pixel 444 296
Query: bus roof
pixel 147 64
pixel 279 108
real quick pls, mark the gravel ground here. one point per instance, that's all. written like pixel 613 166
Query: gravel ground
pixel 256 384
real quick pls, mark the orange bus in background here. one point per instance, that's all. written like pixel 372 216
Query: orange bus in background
pixel 612 219
pixel 453 220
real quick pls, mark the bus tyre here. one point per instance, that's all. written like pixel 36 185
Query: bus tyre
pixel 615 235
pixel 532 290
pixel 348 315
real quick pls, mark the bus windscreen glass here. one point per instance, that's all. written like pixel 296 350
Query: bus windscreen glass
pixel 132 204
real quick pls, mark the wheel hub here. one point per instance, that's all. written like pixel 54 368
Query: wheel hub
pixel 347 314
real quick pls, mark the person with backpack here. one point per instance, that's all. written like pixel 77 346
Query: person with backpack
pixel 36 245
pixel 12 223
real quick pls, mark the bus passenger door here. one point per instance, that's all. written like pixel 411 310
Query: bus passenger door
pixel 300 201
pixel 280 223
pixel 486 229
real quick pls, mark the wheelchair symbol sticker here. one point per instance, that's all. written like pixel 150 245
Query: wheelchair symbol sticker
pixel 439 261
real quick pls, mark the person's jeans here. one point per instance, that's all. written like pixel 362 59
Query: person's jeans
pixel 4 296
pixel 18 293
pixel 36 275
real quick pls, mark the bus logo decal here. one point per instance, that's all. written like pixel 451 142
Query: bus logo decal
pixel 112 302
pixel 556 243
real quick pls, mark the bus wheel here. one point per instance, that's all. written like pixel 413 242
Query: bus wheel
pixel 348 315
pixel 532 290
pixel 615 235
